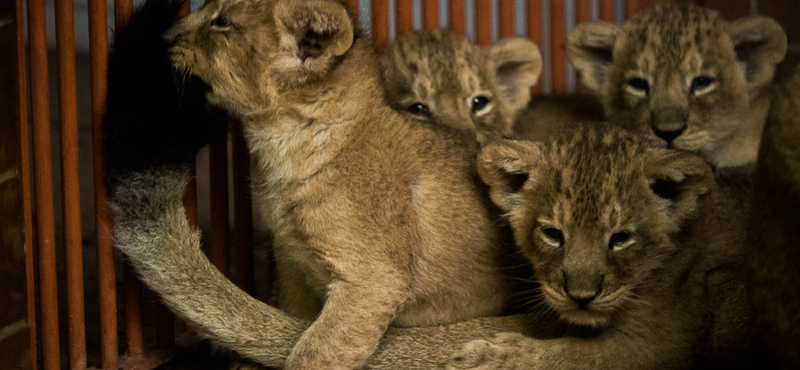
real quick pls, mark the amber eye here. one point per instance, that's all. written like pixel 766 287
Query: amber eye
pixel 639 84
pixel 478 103
pixel 701 83
pixel 553 234
pixel 220 22
pixel 618 240
pixel 419 109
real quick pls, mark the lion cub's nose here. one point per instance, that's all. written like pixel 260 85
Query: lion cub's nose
pixel 583 292
pixel 669 133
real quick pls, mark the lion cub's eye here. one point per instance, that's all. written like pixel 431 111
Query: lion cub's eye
pixel 554 235
pixel 419 109
pixel 478 103
pixel 619 240
pixel 701 84
pixel 220 23
pixel 639 85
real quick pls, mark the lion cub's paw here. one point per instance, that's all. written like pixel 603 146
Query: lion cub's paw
pixel 503 351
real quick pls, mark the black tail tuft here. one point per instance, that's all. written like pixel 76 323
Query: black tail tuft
pixel 155 117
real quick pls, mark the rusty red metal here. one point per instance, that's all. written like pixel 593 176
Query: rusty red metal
pixel 405 17
pixel 506 10
pixel 430 14
pixel 380 23
pixel 535 33
pixel 457 15
pixel 483 22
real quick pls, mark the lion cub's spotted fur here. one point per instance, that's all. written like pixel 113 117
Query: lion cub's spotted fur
pixel 441 77
pixel 634 246
pixel 682 73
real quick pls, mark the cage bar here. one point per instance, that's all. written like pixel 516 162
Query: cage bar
pixel 380 23
pixel 25 174
pixel 430 14
pixel 458 15
pixel 608 11
pixel 558 37
pixel 483 22
pixel 405 16
pixel 534 27
pixel 218 189
pixel 353 6
pixel 506 10
pixel 242 212
pixel 106 270
pixel 43 186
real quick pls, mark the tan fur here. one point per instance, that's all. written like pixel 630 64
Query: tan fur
pixel 377 220
pixel 773 244
pixel 436 76
pixel 644 72
pixel 635 247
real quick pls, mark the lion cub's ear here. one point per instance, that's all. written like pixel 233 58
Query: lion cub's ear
pixel 679 179
pixel 517 66
pixel 760 43
pixel 506 166
pixel 313 31
pixel 590 48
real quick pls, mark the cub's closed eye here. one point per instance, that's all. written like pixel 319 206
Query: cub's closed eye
pixel 479 102
pixel 419 109
pixel 554 234
pixel 639 84
pixel 701 83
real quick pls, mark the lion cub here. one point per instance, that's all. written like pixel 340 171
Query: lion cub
pixel 377 220
pixel 686 76
pixel 440 76
pixel 634 246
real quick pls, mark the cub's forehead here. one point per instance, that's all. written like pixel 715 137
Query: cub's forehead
pixel 670 33
pixel 437 55
pixel 597 152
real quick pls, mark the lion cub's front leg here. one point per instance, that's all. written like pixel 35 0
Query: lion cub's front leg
pixel 353 319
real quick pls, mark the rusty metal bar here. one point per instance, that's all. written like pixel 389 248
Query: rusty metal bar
pixel 430 14
pixel 558 37
pixel 608 10
pixel 380 23
pixel 25 174
pixel 122 13
pixel 458 14
pixel 190 200
pixel 43 185
pixel 353 5
pixel 583 13
pixel 70 175
pixel 405 17
pixel 506 9
pixel 133 312
pixel 483 22
pixel 218 189
pixel 535 32
pixel 242 212
pixel 106 270
pixel 165 327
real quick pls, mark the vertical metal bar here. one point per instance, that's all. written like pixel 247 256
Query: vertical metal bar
pixel 43 185
pixel 535 33
pixel 122 13
pixel 583 10
pixel 506 8
pixel 380 23
pixel 458 14
pixel 68 119
pixel 106 271
pixel 558 36
pixel 608 10
pixel 242 212
pixel 218 189
pixel 405 16
pixel 483 22
pixel 430 14
pixel 133 312
pixel 25 173
pixel 353 6
pixel 165 327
